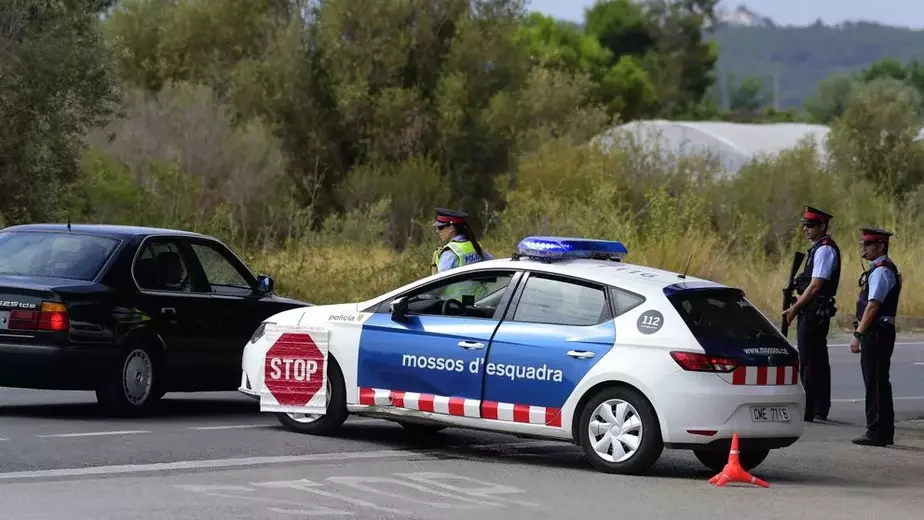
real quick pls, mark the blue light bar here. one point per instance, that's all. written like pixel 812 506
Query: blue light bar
pixel 566 247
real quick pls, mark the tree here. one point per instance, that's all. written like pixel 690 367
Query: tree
pixel 56 82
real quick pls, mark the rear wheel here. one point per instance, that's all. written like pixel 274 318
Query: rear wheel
pixel 619 431
pixel 132 385
pixel 318 424
pixel 716 460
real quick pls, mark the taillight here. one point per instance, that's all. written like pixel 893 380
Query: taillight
pixel 703 363
pixel 52 316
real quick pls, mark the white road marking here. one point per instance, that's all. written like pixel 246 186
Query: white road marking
pixel 897 344
pixel 202 464
pixel 367 421
pixel 94 434
pixel 230 427
pixel 917 363
pixel 861 399
pixel 266 425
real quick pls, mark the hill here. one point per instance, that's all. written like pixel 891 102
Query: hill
pixel 803 56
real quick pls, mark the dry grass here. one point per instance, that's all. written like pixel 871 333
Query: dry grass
pixel 334 274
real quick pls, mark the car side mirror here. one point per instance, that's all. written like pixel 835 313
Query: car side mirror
pixel 399 309
pixel 265 284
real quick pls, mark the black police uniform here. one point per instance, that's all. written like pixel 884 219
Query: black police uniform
pixel 876 346
pixel 814 324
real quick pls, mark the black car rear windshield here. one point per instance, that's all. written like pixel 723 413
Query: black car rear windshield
pixel 722 314
pixel 54 255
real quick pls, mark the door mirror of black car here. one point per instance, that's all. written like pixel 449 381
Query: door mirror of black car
pixel 265 284
pixel 399 309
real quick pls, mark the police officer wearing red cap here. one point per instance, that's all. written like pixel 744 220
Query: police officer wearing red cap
pixel 817 287
pixel 874 335
pixel 461 247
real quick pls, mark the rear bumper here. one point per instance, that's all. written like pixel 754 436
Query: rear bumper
pixel 704 412
pixel 49 367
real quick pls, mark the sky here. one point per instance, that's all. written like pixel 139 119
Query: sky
pixel 904 13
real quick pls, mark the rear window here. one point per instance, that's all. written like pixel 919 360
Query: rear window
pixel 725 314
pixel 54 255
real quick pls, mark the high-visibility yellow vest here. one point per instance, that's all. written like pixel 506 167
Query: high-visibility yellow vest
pixel 466 253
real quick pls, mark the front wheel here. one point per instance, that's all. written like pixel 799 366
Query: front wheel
pixel 716 460
pixel 318 424
pixel 619 432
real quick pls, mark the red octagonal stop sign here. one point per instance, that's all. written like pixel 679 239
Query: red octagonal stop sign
pixel 293 369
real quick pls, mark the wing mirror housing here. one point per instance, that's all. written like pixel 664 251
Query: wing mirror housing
pixel 399 309
pixel 265 284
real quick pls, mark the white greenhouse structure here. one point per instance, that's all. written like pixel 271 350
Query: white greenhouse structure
pixel 733 144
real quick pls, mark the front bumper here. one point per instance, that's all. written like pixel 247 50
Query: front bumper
pixel 246 387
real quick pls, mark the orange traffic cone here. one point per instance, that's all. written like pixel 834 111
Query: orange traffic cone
pixel 733 472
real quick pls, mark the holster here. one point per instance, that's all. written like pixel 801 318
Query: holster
pixel 821 306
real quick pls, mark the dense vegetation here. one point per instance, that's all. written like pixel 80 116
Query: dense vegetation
pixel 316 137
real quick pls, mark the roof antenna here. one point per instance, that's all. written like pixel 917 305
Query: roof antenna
pixel 687 268
pixel 68 221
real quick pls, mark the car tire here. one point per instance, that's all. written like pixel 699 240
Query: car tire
pixel 716 460
pixel 132 384
pixel 336 407
pixel 613 407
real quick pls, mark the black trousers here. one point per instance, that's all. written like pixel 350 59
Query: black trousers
pixel 875 362
pixel 814 364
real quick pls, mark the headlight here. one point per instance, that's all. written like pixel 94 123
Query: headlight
pixel 257 334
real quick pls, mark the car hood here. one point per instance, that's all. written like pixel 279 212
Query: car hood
pixel 312 314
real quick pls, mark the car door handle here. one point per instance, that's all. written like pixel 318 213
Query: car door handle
pixel 582 354
pixel 169 311
pixel 471 345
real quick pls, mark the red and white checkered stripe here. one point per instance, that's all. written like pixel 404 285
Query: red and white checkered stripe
pixel 765 376
pixel 461 407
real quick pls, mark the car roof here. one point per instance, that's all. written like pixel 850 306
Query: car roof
pixel 632 277
pixel 105 230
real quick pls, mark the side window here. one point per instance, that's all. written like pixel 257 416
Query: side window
pixel 219 272
pixel 624 301
pixel 160 267
pixel 548 300
pixel 476 295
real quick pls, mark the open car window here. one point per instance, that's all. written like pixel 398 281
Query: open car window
pixel 475 295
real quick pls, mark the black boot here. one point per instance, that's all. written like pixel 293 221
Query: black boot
pixel 868 439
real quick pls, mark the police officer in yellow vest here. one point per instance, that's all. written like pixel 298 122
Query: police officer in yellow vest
pixel 461 247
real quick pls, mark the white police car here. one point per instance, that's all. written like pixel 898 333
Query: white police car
pixel 564 341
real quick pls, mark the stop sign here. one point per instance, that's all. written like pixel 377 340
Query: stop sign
pixel 293 370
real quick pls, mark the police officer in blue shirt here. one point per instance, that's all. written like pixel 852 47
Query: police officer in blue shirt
pixel 461 247
pixel 817 286
pixel 874 335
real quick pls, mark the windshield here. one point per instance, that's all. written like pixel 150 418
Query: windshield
pixel 725 315
pixel 54 255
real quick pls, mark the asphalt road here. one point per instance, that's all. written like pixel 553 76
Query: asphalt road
pixel 215 456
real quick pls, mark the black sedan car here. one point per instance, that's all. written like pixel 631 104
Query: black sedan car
pixel 130 312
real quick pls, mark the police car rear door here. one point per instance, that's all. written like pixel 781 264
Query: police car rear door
pixel 554 332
